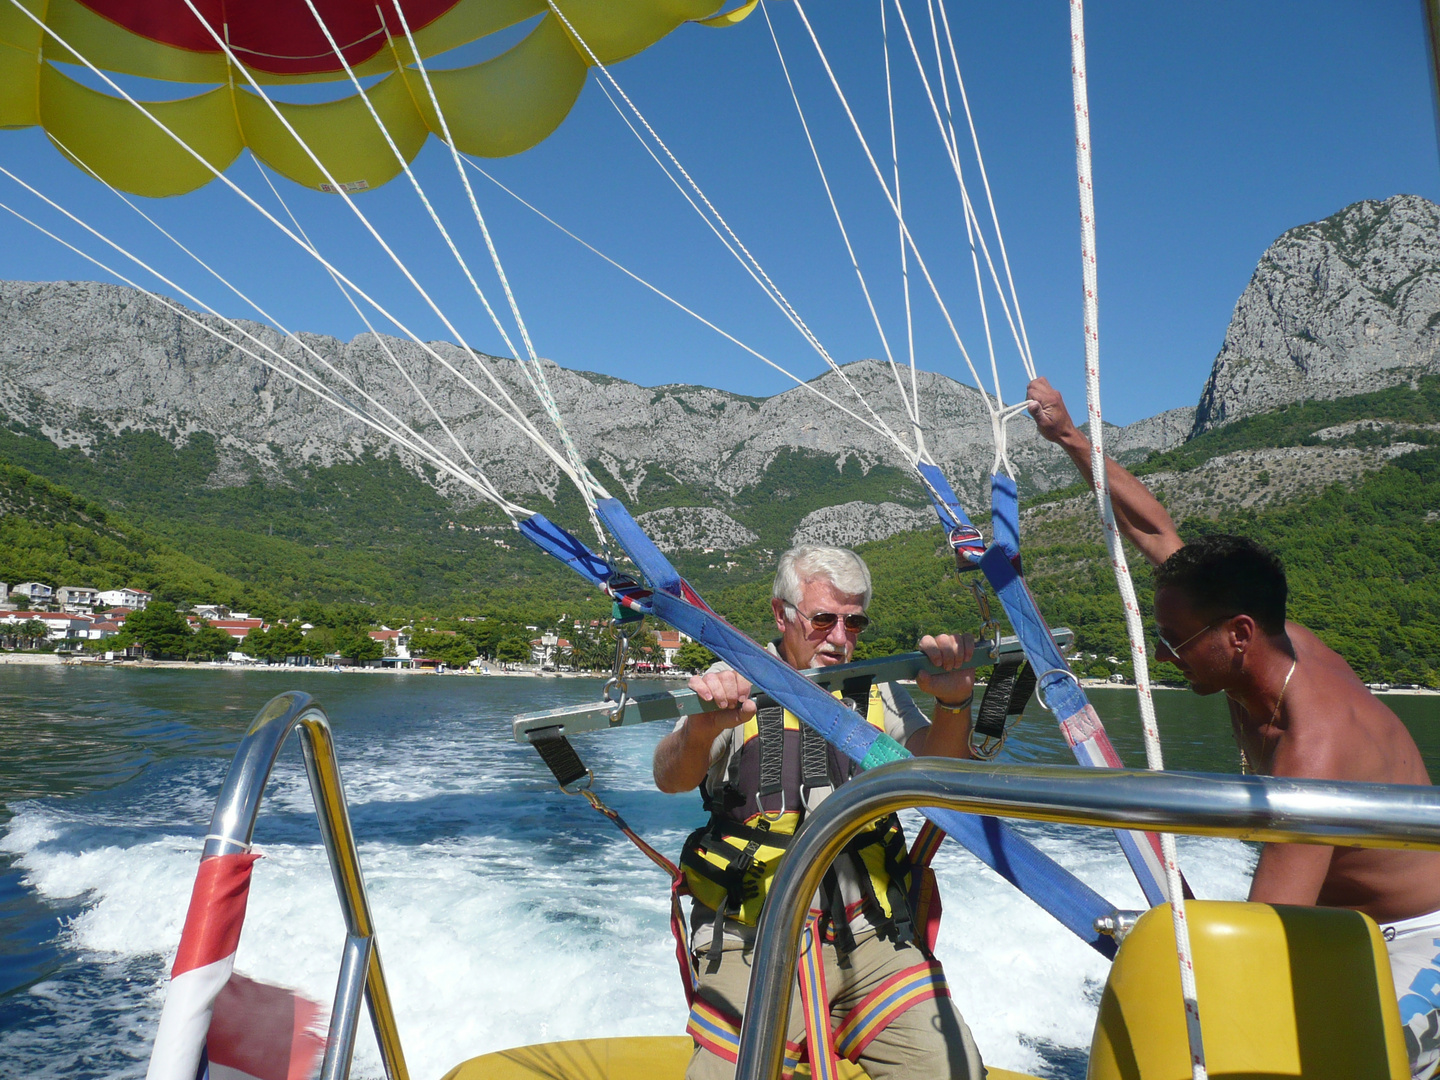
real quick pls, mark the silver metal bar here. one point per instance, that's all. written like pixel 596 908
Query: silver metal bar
pixel 673 704
pixel 345 1016
pixel 1245 807
pixel 233 825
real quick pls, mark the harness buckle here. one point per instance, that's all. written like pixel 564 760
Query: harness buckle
pixel 969 547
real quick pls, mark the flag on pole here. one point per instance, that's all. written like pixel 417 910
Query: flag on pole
pixel 217 1025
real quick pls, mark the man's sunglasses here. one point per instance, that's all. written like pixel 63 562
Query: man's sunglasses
pixel 825 621
pixel 1174 650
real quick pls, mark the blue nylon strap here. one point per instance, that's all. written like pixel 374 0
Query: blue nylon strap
pixel 657 569
pixel 1050 885
pixel 948 504
pixel 1005 515
pixel 1070 901
pixel 553 540
pixel 1059 689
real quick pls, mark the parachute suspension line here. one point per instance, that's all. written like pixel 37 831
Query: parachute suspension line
pixel 739 250
pixel 1028 356
pixel 538 382
pixel 379 339
pixel 844 234
pixel 519 415
pixel 972 223
pixel 1133 625
pixel 579 473
pixel 520 422
pixel 917 430
pixel 810 387
pixel 304 381
pixel 894 206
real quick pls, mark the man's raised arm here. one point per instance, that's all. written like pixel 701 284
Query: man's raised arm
pixel 682 758
pixel 1141 518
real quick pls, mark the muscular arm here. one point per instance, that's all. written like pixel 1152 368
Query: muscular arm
pixel 682 758
pixel 949 733
pixel 1141 518
pixel 1290 874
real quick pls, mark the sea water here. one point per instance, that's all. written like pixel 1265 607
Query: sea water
pixel 506 912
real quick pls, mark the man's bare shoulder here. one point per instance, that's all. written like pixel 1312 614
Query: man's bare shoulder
pixel 1335 728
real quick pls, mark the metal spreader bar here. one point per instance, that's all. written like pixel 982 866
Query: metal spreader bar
pixel 673 704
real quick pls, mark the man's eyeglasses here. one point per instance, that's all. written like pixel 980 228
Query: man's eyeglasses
pixel 825 621
pixel 1174 650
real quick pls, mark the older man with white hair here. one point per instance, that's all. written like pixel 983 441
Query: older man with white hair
pixel 759 772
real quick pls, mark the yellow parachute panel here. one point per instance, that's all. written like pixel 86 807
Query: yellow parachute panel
pixel 495 108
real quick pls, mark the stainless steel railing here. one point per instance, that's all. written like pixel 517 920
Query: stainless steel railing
pixel 233 826
pixel 1245 807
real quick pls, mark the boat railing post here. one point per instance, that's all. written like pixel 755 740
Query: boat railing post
pixel 233 826
pixel 1243 807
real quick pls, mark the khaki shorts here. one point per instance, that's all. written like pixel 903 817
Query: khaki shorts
pixel 929 1041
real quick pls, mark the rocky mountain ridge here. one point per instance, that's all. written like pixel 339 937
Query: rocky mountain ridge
pixel 78 360
pixel 1338 307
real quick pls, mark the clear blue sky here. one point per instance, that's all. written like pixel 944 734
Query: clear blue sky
pixel 1216 126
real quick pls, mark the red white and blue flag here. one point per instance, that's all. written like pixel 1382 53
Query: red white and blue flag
pixel 217 1025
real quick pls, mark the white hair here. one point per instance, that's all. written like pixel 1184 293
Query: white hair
pixel 840 566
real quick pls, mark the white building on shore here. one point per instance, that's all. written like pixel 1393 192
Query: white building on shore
pixel 134 599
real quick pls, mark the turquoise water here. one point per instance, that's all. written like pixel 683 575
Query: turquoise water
pixel 507 912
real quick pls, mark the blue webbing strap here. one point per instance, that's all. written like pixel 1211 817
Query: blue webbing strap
pixel 1073 903
pixel 657 569
pixel 942 495
pixel 553 540
pixel 1005 516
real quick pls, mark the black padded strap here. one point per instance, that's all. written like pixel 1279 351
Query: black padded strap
pixel 559 756
pixel 771 723
pixel 814 759
pixel 995 705
pixel 1021 692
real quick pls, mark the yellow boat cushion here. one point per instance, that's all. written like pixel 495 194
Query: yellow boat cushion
pixel 1283 992
pixel 614 1059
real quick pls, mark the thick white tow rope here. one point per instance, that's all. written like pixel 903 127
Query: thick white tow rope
pixel 1133 626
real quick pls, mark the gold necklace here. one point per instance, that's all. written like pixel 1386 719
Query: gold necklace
pixel 1274 715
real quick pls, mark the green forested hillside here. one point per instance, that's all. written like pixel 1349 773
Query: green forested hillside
pixel 370 540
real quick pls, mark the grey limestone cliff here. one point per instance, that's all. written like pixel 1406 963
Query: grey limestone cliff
pixel 1338 307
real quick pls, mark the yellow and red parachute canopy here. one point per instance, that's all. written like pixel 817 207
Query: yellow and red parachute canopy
pixel 498 107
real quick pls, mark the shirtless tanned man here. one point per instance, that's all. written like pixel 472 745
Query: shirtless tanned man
pixel 1297 710
pixel 758 774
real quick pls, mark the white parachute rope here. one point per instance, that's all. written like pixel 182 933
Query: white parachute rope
pixel 738 249
pixel 379 338
pixel 520 422
pixel 894 206
pixel 972 230
pixel 840 221
pixel 411 440
pixel 1133 624
pixel 972 222
pixel 809 386
pixel 535 373
pixel 518 415
pixel 1029 357
pixel 918 430
pixel 583 479
pixel 304 380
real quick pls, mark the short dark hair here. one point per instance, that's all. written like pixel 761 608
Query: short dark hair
pixel 1228 575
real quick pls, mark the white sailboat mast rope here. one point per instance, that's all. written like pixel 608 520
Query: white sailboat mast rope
pixel 1029 356
pixel 738 249
pixel 840 221
pixel 895 208
pixel 918 429
pixel 539 383
pixel 520 422
pixel 379 338
pixel 589 488
pixel 1133 626
pixel 304 380
pixel 518 414
pixel 808 386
